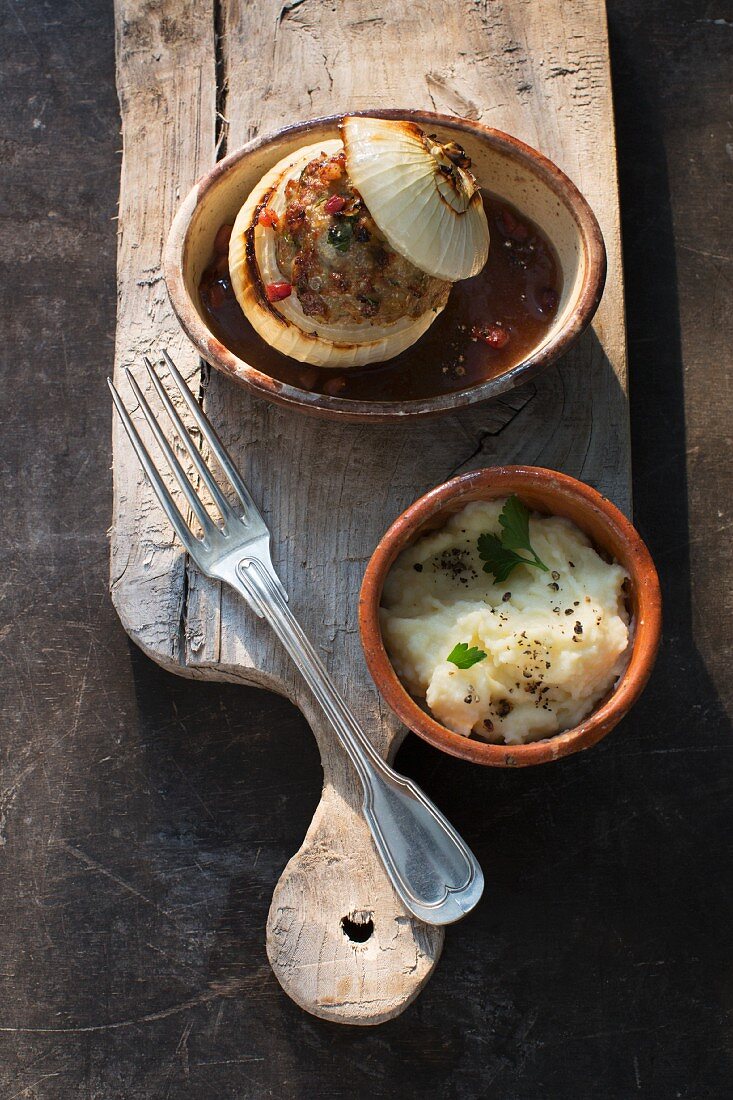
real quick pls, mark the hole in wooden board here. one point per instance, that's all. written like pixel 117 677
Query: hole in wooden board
pixel 357 926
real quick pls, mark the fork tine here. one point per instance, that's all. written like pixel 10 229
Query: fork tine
pixel 188 491
pixel 196 457
pixel 216 445
pixel 179 525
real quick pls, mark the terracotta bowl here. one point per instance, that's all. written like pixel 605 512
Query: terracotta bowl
pixel 504 165
pixel 543 491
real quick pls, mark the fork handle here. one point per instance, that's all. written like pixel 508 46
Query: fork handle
pixel 431 868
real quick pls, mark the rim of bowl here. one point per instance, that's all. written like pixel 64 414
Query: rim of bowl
pixel 646 624
pixel 219 356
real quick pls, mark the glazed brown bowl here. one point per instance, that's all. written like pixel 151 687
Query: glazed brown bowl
pixel 551 493
pixel 504 165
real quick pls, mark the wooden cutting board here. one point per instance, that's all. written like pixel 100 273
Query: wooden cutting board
pixel 197 78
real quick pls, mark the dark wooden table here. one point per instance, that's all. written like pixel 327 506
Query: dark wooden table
pixel 145 819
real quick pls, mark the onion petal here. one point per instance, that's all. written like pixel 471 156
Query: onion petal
pixel 427 206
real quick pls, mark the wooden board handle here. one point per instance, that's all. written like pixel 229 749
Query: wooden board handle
pixel 330 490
pixel 338 939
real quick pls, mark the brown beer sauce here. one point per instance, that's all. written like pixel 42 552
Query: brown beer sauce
pixel 491 322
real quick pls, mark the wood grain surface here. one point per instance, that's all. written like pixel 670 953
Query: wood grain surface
pixel 144 818
pixel 329 490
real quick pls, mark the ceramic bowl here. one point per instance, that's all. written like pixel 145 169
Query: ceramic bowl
pixel 551 493
pixel 503 164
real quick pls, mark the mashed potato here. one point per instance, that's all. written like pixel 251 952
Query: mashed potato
pixel 555 642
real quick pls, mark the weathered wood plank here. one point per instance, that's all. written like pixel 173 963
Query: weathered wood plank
pixel 329 490
pixel 167 90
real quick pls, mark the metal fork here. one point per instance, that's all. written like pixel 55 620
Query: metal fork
pixel 433 871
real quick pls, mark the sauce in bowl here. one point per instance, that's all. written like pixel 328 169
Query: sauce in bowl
pixel 491 322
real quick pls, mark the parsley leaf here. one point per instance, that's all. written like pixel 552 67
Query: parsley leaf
pixel 514 519
pixel 499 555
pixel 340 235
pixel 463 657
pixel 498 559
